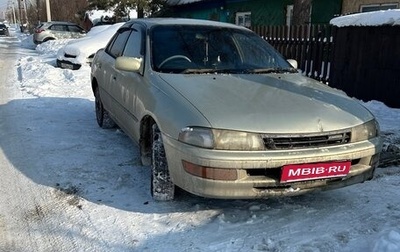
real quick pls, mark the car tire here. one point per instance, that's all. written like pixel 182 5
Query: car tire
pixel 103 118
pixel 162 187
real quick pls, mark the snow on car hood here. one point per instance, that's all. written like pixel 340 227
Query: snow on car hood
pixel 275 103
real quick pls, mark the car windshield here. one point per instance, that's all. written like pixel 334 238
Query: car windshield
pixel 209 49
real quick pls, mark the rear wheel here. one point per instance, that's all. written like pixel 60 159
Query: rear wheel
pixel 103 118
pixel 162 188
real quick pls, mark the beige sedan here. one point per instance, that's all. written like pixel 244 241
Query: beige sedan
pixel 219 113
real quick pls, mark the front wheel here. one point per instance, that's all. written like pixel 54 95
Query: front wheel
pixel 103 118
pixel 162 188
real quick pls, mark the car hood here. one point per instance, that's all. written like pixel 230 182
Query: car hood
pixel 274 103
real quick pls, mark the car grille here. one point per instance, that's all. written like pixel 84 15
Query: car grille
pixel 305 141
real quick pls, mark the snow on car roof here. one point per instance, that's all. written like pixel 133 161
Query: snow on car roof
pixel 183 21
pixel 373 18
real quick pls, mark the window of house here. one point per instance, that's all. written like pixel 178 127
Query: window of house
pixel 243 19
pixel 376 7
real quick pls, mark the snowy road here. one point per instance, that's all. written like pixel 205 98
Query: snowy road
pixel 31 214
pixel 67 185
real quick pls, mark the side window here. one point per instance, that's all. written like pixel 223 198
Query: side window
pixel 134 45
pixel 58 28
pixel 74 28
pixel 117 47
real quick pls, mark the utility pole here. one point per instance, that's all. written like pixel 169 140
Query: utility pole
pixel 25 13
pixel 48 11
pixel 13 11
pixel 23 17
pixel 19 13
pixel 38 11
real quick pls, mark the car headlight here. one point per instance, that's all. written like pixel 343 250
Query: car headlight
pixel 365 131
pixel 221 139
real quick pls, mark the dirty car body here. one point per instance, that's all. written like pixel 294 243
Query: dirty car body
pixel 219 113
pixel 57 30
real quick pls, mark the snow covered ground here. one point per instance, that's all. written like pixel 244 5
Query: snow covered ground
pixel 67 185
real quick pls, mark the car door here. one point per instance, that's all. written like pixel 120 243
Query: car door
pixel 128 82
pixel 110 92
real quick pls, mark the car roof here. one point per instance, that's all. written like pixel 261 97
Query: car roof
pixel 59 22
pixel 149 22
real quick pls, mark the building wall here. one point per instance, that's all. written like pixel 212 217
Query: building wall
pixel 272 12
pixel 209 10
pixel 324 10
pixel 353 6
pixel 263 12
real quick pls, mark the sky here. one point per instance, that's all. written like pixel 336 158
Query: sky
pixel 90 193
pixel 3 7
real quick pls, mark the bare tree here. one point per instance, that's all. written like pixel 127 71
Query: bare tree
pixel 61 10
pixel 302 12
pixel 68 10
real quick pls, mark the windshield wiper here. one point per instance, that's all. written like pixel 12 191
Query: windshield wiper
pixel 271 70
pixel 209 70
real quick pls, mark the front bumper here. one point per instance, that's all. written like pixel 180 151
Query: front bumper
pixel 258 172
pixel 67 65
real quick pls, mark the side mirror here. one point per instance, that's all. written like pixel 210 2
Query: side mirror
pixel 130 64
pixel 293 63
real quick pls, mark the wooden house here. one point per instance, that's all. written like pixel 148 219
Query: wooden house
pixel 253 12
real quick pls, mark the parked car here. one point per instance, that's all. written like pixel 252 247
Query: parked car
pixel 81 51
pixel 219 113
pixel 4 30
pixel 57 30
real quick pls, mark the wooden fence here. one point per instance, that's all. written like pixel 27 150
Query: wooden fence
pixel 310 45
pixel 364 62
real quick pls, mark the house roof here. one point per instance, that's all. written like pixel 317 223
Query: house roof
pixel 373 18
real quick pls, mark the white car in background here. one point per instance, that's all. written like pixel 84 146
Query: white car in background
pixel 81 51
